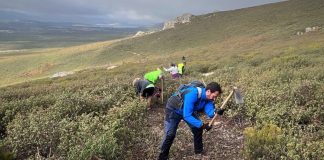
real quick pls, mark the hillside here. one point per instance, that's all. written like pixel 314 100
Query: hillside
pixel 94 113
pixel 256 29
pixel 274 21
pixel 19 66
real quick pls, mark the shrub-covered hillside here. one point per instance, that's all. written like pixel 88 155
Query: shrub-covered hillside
pixel 95 114
pixel 278 21
pixel 78 117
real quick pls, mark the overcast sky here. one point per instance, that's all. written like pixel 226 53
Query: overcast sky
pixel 120 12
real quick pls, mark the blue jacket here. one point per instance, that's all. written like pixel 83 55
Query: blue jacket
pixel 190 99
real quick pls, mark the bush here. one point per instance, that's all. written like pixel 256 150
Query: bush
pixel 82 121
pixel 265 143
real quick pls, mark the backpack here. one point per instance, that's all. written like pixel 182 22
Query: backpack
pixel 176 100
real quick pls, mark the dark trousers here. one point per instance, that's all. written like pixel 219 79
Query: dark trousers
pixel 171 123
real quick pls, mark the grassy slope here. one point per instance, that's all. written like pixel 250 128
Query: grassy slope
pixel 230 32
pixel 273 21
pixel 280 74
pixel 32 64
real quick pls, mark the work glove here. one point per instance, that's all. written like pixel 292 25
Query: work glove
pixel 220 111
pixel 158 89
pixel 157 95
pixel 206 126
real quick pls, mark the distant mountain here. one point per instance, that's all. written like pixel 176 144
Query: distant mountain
pixel 24 34
pixel 8 15
pixel 41 26
pixel 25 30
pixel 16 26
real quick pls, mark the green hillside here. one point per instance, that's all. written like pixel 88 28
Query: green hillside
pixel 275 21
pixel 32 64
pixel 95 114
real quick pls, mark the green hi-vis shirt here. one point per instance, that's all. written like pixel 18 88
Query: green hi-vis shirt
pixel 153 76
pixel 180 68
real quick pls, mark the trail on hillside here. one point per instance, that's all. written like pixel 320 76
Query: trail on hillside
pixel 224 141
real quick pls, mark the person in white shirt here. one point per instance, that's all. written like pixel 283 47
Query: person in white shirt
pixel 173 70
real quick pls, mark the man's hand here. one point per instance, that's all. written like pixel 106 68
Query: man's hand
pixel 220 111
pixel 206 126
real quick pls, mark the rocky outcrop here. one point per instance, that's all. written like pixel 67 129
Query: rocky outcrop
pixel 185 18
pixel 312 29
pixel 141 33
pixel 61 74
pixel 111 67
pixel 309 29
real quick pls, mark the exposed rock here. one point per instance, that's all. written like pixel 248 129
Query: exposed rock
pixel 312 29
pixel 207 74
pixel 61 74
pixel 111 67
pixel 141 33
pixel 309 29
pixel 300 33
pixel 185 18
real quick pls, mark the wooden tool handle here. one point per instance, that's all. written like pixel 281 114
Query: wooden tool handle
pixel 229 96
pixel 222 107
pixel 162 91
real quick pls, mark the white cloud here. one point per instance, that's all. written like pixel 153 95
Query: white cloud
pixel 131 15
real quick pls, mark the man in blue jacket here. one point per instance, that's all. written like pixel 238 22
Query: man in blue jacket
pixel 195 99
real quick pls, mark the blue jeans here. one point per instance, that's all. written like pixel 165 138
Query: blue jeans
pixel 171 122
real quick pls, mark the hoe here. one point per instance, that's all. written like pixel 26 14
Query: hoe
pixel 238 100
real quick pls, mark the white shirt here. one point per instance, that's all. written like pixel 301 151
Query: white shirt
pixel 172 70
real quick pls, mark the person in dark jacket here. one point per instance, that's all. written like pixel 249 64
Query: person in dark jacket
pixel 144 89
pixel 195 99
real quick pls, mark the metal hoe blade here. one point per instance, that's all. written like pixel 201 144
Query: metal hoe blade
pixel 238 96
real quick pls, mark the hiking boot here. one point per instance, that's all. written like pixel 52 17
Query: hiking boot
pixel 200 152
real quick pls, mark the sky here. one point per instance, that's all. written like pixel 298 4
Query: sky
pixel 119 12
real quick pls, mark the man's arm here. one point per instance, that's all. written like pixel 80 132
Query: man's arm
pixel 167 69
pixel 188 109
pixel 209 109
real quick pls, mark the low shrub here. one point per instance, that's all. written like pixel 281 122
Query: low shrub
pixel 265 143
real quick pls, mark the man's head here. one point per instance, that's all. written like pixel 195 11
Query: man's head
pixel 135 81
pixel 213 89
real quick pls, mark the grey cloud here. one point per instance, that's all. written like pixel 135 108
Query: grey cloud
pixel 120 11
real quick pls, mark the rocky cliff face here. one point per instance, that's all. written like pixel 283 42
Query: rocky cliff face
pixel 185 18
pixel 142 33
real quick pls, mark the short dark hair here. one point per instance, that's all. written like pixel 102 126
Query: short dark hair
pixel 213 87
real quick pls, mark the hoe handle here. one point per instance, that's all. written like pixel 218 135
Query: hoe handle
pixel 222 107
pixel 162 91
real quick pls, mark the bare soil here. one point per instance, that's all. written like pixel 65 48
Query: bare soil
pixel 223 141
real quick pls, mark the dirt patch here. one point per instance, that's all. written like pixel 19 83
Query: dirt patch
pixel 61 74
pixel 38 71
pixel 111 67
pixel 224 141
